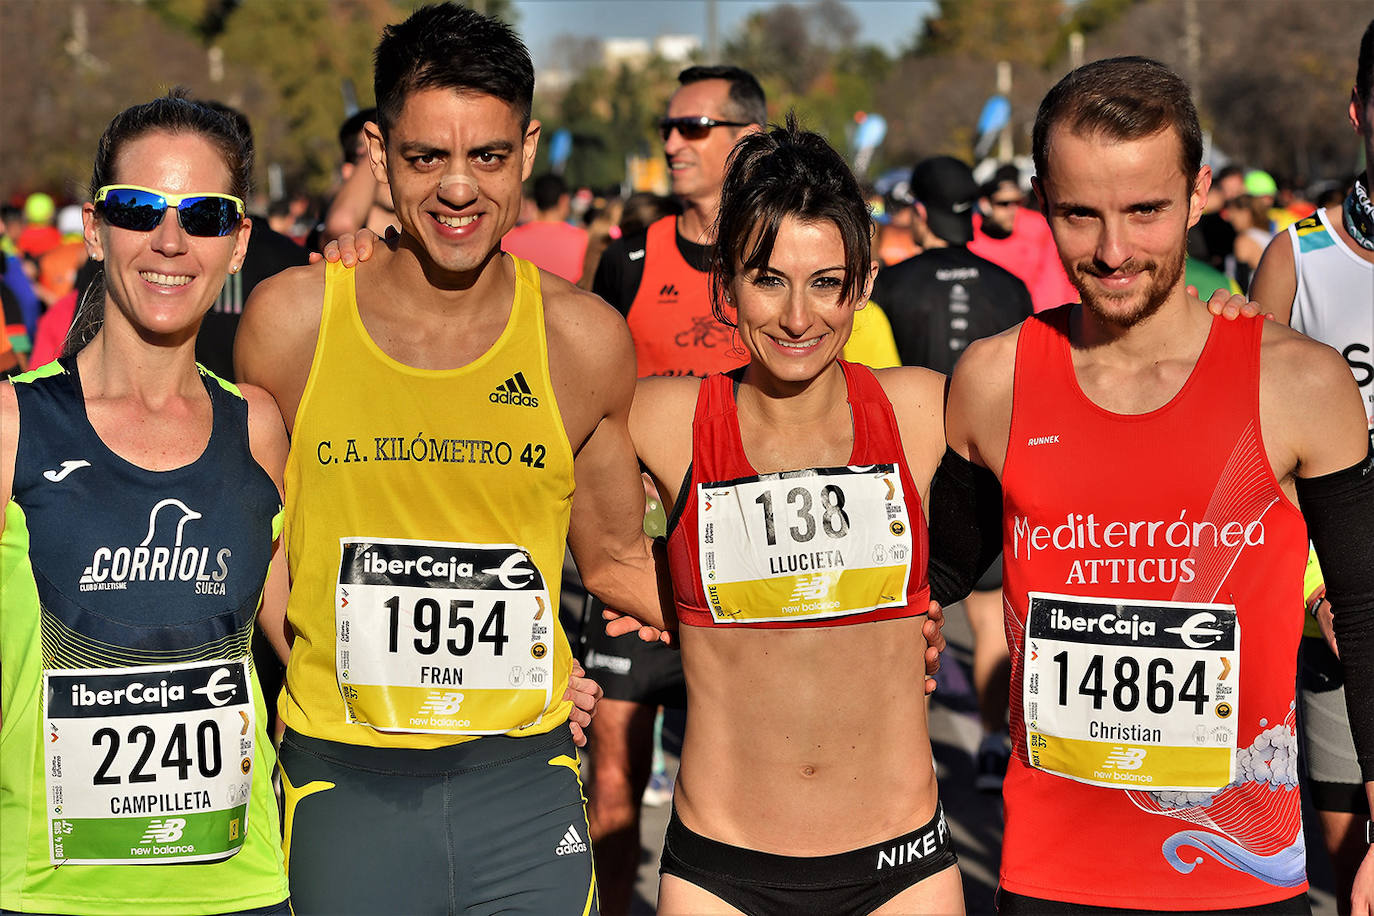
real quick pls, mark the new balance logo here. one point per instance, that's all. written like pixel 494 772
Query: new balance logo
pixel 442 704
pixel 810 588
pixel 164 831
pixel 1124 758
pixel 571 844
pixel 667 289
pixel 67 467
pixel 1042 440
pixel 514 390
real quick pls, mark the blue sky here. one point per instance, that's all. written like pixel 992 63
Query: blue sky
pixel 888 23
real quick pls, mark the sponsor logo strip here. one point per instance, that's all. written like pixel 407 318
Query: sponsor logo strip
pixel 1130 766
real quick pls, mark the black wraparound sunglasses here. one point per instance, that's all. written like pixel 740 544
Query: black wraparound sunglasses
pixel 693 128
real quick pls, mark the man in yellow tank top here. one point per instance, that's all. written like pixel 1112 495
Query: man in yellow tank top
pixel 444 401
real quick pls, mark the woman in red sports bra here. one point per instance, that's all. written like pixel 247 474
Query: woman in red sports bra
pixel 798 553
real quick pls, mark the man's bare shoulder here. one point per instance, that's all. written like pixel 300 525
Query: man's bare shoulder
pixel 581 325
pixel 291 298
pixel 913 388
pixel 1304 369
pixel 275 342
pixel 988 361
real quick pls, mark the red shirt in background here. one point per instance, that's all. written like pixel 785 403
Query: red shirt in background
pixel 558 248
pixel 1029 253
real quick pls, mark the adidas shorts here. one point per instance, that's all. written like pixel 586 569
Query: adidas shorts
pixel 495 825
pixel 628 668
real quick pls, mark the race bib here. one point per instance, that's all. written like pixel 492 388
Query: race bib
pixel 443 638
pixel 799 545
pixel 148 764
pixel 1132 694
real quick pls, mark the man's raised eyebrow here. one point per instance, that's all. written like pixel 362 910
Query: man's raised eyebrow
pixel 1161 204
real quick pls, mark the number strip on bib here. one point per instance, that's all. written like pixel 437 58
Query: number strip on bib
pixel 443 638
pixel 1132 694
pixel 804 545
pixel 148 764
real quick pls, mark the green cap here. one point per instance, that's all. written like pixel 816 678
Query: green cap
pixel 39 208
pixel 1259 183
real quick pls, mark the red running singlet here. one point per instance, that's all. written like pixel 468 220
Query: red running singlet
pixel 670 319
pixel 807 548
pixel 1151 568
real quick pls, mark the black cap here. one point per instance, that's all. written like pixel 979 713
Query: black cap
pixel 946 187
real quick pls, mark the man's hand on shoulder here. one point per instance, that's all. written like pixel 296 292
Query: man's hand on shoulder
pixel 352 248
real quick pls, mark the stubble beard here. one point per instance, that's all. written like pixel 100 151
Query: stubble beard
pixel 1131 308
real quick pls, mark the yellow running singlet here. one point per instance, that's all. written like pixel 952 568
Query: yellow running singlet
pixel 427 513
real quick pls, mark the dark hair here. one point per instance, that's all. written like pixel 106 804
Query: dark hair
pixel 1227 171
pixel 548 190
pixel 174 113
pixel 1005 174
pixel 448 46
pixel 349 131
pixel 746 102
pixel 1364 73
pixel 1122 98
pixel 783 172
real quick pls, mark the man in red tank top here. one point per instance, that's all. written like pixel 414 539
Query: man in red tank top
pixel 1151 459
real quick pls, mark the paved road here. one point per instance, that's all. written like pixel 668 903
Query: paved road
pixel 975 819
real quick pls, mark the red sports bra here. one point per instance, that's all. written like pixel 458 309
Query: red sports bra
pixel 812 547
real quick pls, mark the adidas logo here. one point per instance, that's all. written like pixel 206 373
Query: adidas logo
pixel 514 390
pixel 571 844
pixel 668 289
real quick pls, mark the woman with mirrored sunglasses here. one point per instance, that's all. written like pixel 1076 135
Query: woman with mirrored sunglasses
pixel 142 501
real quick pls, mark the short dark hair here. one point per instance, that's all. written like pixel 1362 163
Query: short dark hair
pixel 1121 98
pixel 349 131
pixel 746 100
pixel 447 46
pixel 1364 74
pixel 547 190
pixel 1005 174
pixel 786 171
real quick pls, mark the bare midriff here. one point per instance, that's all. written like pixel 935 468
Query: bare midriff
pixel 808 741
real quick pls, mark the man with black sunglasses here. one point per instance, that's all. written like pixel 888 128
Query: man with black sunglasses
pixel 1018 239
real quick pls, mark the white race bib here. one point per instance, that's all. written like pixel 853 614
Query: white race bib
pixel 804 545
pixel 1132 694
pixel 148 764
pixel 443 638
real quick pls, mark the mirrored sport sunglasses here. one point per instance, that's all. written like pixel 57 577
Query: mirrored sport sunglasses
pixel 129 206
pixel 693 128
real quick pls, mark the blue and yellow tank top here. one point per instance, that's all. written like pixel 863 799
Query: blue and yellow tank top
pixel 426 521
pixel 137 768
